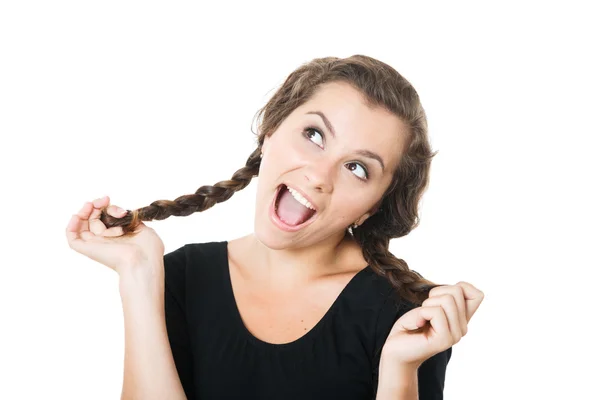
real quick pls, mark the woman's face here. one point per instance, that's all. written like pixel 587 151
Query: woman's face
pixel 337 168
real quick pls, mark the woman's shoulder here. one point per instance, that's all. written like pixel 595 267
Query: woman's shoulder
pixel 377 290
pixel 193 252
pixel 195 261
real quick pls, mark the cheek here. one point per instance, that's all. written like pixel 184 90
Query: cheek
pixel 288 150
pixel 348 208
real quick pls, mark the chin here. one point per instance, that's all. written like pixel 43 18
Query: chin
pixel 271 238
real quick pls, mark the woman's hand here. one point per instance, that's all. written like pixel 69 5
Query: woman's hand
pixel 87 235
pixel 448 310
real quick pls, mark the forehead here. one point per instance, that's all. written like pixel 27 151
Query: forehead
pixel 357 124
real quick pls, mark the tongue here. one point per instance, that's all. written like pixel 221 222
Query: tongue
pixel 291 211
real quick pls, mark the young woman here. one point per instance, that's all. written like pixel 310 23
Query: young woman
pixel 312 304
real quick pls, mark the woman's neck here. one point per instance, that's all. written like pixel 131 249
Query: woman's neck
pixel 291 267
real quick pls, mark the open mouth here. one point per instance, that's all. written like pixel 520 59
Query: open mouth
pixel 289 211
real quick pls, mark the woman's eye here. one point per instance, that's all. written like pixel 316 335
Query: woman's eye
pixel 308 132
pixel 363 174
pixel 315 136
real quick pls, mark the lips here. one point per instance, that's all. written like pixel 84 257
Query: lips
pixel 281 224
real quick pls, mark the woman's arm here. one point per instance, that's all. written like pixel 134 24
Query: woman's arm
pixel 149 368
pixel 396 382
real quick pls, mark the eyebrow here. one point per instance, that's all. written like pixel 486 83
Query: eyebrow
pixel 365 153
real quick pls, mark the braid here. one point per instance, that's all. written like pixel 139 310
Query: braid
pixel 204 198
pixel 409 284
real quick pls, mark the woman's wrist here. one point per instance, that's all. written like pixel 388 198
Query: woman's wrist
pixel 396 381
pixel 142 279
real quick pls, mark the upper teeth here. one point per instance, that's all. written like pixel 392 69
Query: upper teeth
pixel 301 199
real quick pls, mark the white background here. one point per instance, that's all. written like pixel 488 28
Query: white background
pixel 144 101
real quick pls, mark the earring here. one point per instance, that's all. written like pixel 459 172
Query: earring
pixel 351 228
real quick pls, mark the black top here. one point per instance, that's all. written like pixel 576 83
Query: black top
pixel 218 358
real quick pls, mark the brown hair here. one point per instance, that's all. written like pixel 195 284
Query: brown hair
pixel 397 211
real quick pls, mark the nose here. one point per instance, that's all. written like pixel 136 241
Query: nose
pixel 319 176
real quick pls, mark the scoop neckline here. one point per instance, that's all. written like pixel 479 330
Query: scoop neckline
pixel 304 338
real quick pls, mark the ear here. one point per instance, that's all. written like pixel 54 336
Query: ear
pixel 363 218
pixel 368 214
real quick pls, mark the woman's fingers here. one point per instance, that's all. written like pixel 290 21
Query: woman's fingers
pixel 473 297
pixel 79 221
pixel 102 202
pixel 97 226
pixel 113 232
pixel 116 211
pixel 84 216
pixel 77 229
pixel 88 235
pixel 411 320
pixel 85 226
pixel 72 230
pixel 439 322
pixel 446 310
pixel 418 318
pixel 457 292
pixel 448 304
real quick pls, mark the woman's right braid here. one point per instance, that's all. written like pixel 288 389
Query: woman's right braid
pixel 204 198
